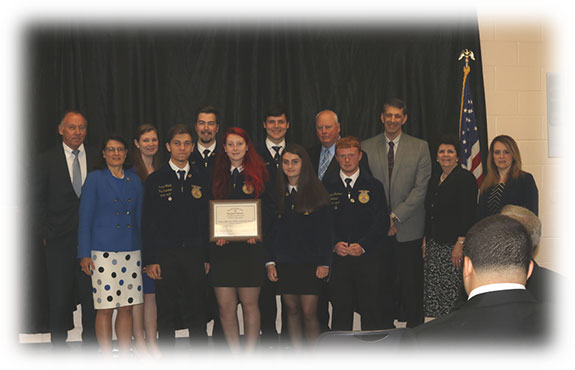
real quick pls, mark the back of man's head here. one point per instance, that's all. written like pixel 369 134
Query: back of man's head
pixel 499 246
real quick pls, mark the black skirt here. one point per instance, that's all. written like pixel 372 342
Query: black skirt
pixel 237 264
pixel 298 279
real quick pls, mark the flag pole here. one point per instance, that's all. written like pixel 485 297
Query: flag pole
pixel 467 54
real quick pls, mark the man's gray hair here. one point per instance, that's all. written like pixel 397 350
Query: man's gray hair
pixel 528 219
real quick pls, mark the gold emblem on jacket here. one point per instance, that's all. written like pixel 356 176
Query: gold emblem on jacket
pixel 196 191
pixel 363 196
pixel 247 189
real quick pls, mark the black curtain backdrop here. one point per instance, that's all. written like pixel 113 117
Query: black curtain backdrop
pixel 123 76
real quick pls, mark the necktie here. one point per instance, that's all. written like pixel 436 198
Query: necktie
pixel 277 155
pixel 206 156
pixel 292 195
pixel 348 187
pixel 390 159
pixel 76 174
pixel 324 163
pixel 181 175
pixel 235 174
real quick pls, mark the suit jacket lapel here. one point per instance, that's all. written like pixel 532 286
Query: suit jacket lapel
pixel 63 163
pixel 402 150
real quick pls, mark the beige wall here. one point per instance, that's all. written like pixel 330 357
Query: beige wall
pixel 516 58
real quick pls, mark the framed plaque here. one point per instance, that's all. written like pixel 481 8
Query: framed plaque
pixel 235 220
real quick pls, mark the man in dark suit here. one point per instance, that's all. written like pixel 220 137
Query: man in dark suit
pixel 204 154
pixel 276 123
pixel 497 263
pixel 403 164
pixel 322 155
pixel 62 171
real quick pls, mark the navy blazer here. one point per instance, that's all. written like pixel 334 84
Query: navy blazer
pixel 174 216
pixel 363 217
pixel 493 316
pixel 110 213
pixel 206 168
pixel 269 161
pixel 301 238
pixel 520 192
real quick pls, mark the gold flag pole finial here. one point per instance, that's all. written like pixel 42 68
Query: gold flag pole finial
pixel 466 54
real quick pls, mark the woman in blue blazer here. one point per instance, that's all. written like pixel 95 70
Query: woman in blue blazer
pixel 109 243
pixel 505 182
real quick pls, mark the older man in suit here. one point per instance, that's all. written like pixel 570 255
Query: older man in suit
pixel 402 163
pixel 497 263
pixel 322 155
pixel 62 171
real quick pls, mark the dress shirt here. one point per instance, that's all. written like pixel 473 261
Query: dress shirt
pixel 201 148
pixel 290 187
pixel 494 288
pixel 322 154
pixel 395 144
pixel 176 169
pixel 70 161
pixel 352 177
pixel 270 145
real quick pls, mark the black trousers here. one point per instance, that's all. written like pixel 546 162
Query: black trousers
pixel 68 285
pixel 354 284
pixel 402 283
pixel 183 283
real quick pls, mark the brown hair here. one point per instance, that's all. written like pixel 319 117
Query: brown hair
pixel 311 194
pixel 492 177
pixel 136 155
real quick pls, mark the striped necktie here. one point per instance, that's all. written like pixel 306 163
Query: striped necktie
pixel 324 163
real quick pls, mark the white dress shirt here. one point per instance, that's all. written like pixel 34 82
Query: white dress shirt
pixel 81 158
pixel 176 168
pixel 270 145
pixel 494 288
pixel 201 148
pixel 353 177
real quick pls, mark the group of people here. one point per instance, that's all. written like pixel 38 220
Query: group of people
pixel 363 225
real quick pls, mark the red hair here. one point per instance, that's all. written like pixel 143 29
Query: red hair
pixel 255 171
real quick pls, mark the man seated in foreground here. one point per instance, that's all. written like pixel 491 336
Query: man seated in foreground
pixel 497 264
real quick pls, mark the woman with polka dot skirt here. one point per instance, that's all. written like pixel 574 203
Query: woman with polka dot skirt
pixel 109 243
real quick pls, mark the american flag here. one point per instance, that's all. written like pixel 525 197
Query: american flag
pixel 470 150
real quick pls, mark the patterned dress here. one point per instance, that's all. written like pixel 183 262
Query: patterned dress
pixel 443 283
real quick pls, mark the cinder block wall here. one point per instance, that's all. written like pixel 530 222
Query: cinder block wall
pixel 516 58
